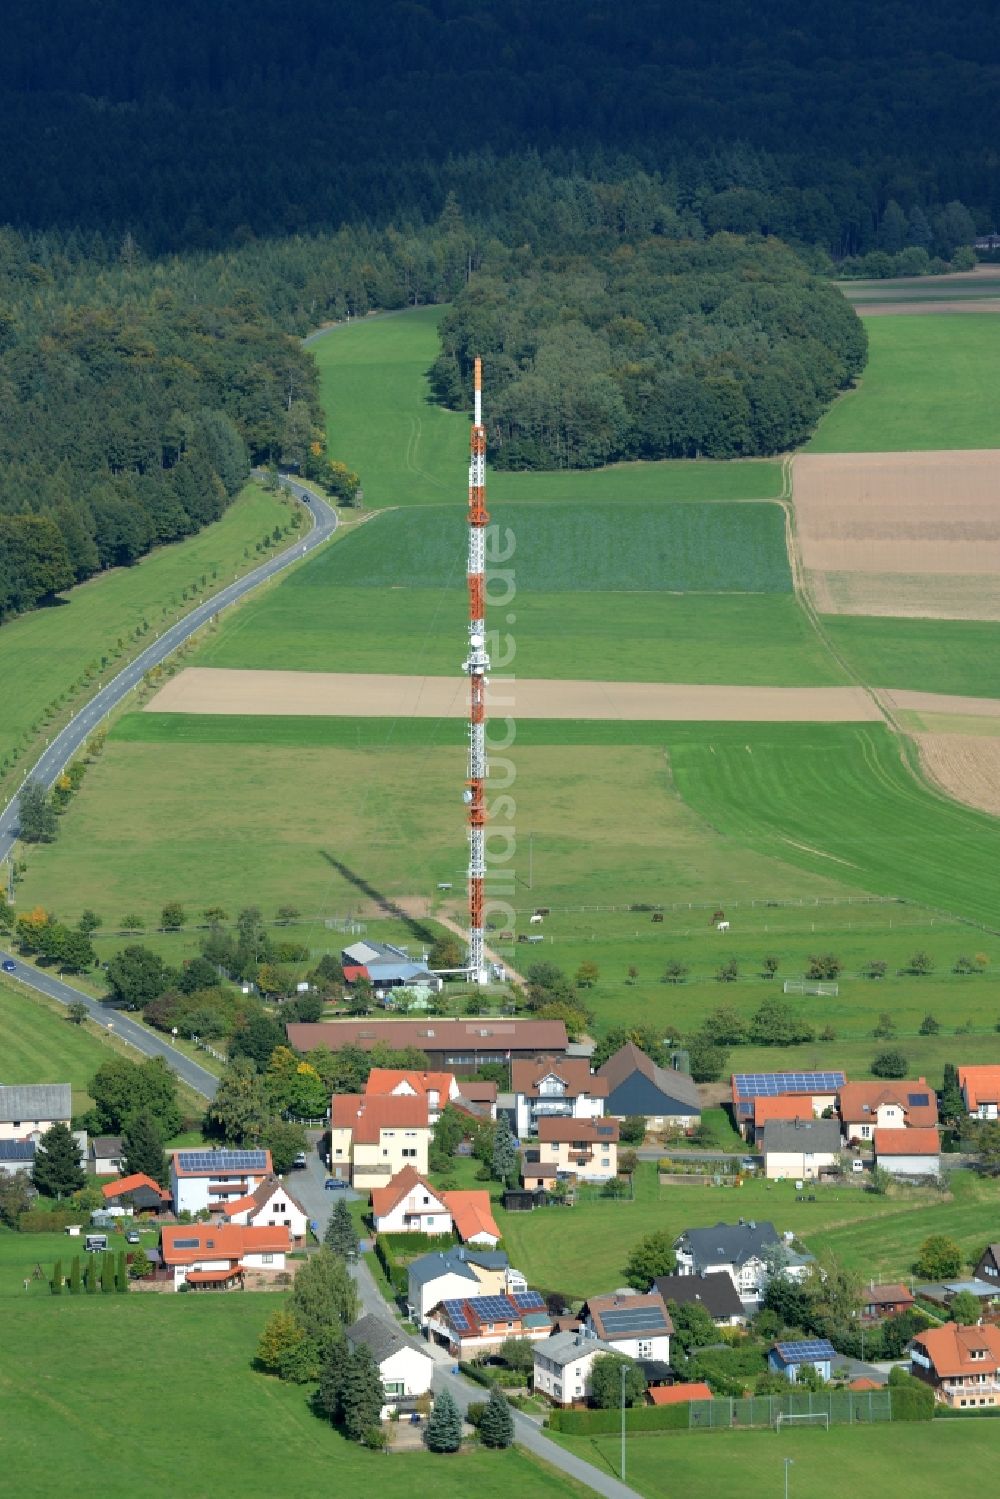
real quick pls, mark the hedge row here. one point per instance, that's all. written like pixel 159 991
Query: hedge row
pixel 638 1418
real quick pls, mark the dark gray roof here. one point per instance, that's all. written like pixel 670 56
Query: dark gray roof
pixel 715 1292
pixel 105 1145
pixel 381 1337
pixel 455 1262
pixel 564 1347
pixel 802 1134
pixel 26 1102
pixel 728 1243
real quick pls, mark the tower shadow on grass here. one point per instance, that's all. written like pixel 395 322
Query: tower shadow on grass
pixel 384 902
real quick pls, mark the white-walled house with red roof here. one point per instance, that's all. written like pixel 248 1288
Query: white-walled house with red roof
pixel 408 1204
pixel 373 1138
pixel 201 1179
pixel 218 1254
pixel 438 1088
pixel 272 1205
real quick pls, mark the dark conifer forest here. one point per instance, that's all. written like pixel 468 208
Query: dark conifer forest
pixel 187 187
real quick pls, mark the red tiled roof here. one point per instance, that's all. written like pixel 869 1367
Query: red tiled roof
pixel 386 1080
pixel 472 1214
pixel 476 1034
pixel 241 1205
pixel 384 1199
pixel 205 1277
pixel 526 1075
pixel 355 971
pixel 677 1394
pixel 366 1117
pixel 476 1090
pixel 891 1295
pixel 782 1106
pixel 950 1349
pixel 130 1183
pixel 864 1384
pixel 855 1096
pixel 220 1241
pixel 566 1131
pixel 980 1085
pixel 907 1142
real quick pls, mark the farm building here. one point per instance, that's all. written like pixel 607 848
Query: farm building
pixel 661 1095
pixel 908 1152
pixel 459 1046
pixel 27 1110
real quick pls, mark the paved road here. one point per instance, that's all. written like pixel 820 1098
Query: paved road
pixel 136 1035
pixel 79 728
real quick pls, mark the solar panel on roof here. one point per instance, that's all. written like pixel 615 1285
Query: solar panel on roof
pixel 222 1160
pixel 456 1315
pixel 528 1300
pixel 634 1320
pixel 918 1100
pixel 187 1243
pixel 771 1084
pixel 806 1351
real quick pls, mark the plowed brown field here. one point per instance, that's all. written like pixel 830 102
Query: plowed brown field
pixel 912 534
pixel 966 766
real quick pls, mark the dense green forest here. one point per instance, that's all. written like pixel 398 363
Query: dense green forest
pixel 663 349
pixel 188 185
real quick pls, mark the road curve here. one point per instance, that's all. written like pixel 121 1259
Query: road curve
pixel 151 1045
pixel 57 754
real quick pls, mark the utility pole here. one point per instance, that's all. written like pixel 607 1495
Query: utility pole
pixel 788 1461
pixel 477 664
pixel 623 1426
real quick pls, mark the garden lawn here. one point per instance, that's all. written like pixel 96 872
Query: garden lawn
pixel 45 653
pixel 582 1250
pixel 928 385
pixel 38 1044
pixel 69 1367
pixel 922 655
pixel 382 421
pixel 895 1461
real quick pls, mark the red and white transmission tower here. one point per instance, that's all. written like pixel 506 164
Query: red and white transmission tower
pixel 477 665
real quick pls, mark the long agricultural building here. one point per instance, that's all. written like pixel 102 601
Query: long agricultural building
pixel 458 1046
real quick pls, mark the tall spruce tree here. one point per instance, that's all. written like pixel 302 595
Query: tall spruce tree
pixel 504 1164
pixel 144 1149
pixel 331 1379
pixel 443 1432
pixel 341 1236
pixel 57 1171
pixel 361 1394
pixel 496 1429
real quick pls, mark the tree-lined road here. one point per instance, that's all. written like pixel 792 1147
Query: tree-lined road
pixel 70 739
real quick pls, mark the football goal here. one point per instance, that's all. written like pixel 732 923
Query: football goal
pixel 810 1418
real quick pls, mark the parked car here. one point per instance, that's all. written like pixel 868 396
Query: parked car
pixel 334 1184
pixel 9 966
pixel 133 1236
pixel 748 1163
pixel 300 1159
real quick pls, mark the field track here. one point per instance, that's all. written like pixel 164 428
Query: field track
pixel 212 690
pixel 904 534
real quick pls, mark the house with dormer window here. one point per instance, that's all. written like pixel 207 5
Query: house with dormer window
pixel 962 1364
pixel 554 1088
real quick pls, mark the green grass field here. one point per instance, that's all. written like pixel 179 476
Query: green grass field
pixel 408 450
pixel 897 1461
pixel 928 385
pixel 39 1045
pixel 582 1250
pixel 68 1371
pixel 45 653
pixel 984 285
pixel 923 655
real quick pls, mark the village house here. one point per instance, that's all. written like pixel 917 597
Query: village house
pixel 472 1214
pixel 747 1252
pixel 791 1358
pixel 865 1107
pixel 468 1327
pixel 980 1091
pixel 637 1326
pixel 790 1108
pixel 373 1139
pixel 715 1292
pixel 410 1205
pixel 878 1302
pixel 822 1090
pixel 664 1096
pixel 962 1364
pixel 219 1254
pixel 908 1152
pixel 437 1088
pixel 477 1097
pixel 800 1148
pixel 16 1155
pixel 201 1179
pixel 459 1046
pixel 104 1155
pixel 554 1087
pixel 138 1192
pixel 271 1205
pixel 562 1366
pixel 28 1110
pixel 405 1368
pixel 988 1268
pixel 456 1273
pixel 584 1148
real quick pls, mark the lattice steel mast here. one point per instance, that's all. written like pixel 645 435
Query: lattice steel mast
pixel 476 665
